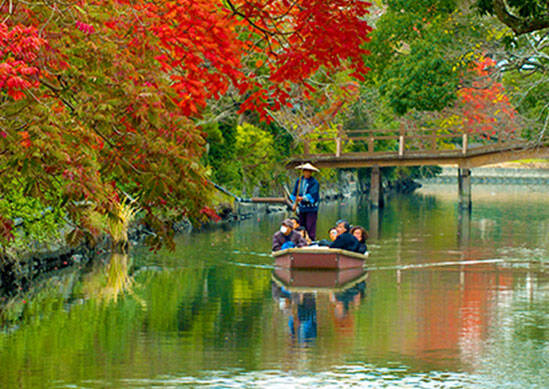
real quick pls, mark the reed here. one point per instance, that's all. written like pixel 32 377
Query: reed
pixel 118 224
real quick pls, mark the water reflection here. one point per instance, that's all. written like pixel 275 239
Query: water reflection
pixel 302 321
pixel 375 222
pixel 439 312
pixel 107 281
pixel 348 299
pixel 464 228
pixel 299 293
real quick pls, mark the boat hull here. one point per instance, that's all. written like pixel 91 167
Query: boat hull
pixel 319 279
pixel 318 258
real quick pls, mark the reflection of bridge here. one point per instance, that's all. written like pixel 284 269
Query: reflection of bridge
pixel 416 147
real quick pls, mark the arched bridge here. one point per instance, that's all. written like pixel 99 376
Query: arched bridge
pixel 416 147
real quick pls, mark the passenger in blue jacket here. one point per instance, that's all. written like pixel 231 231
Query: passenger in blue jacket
pixel 344 239
pixel 306 189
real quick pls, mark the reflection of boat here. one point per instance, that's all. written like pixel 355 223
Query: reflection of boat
pixel 318 258
pixel 300 292
pixel 307 280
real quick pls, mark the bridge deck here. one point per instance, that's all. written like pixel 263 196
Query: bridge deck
pixel 419 149
pixel 473 158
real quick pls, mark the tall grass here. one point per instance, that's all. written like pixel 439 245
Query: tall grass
pixel 118 223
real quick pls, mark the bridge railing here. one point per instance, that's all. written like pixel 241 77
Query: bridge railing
pixel 403 140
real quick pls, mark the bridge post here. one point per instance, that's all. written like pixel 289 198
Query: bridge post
pixel 464 188
pixel 306 148
pixel 401 141
pixel 371 144
pixel 376 189
pixel 464 143
pixel 338 141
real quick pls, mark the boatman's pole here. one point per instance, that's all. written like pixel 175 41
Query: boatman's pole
pixel 294 207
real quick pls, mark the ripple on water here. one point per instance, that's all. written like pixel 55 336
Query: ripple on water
pixel 348 376
pixel 524 253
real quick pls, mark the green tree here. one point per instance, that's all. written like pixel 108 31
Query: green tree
pixel 255 152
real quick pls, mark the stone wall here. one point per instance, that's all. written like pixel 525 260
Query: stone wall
pixel 346 185
pixel 495 175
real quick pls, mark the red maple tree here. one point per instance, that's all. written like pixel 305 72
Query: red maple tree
pixel 98 97
pixel 484 105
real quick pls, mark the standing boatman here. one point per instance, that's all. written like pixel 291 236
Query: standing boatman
pixel 305 197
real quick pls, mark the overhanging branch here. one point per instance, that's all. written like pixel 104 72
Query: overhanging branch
pixel 519 25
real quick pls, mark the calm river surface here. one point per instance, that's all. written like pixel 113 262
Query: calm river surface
pixel 447 301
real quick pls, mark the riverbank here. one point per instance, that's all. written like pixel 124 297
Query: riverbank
pixel 19 268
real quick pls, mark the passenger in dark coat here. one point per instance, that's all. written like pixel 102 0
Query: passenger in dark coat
pixel 287 237
pixel 345 240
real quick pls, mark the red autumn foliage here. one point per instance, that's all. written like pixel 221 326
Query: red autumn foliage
pixel 110 88
pixel 484 105
pixel 19 47
pixel 84 27
pixel 204 50
pixel 25 139
pixel 211 214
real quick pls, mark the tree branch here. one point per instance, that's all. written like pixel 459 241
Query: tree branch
pixel 519 25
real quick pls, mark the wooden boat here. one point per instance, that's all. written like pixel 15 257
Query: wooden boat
pixel 305 280
pixel 318 258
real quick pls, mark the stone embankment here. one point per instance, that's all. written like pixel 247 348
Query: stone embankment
pixel 347 185
pixel 496 175
pixel 17 271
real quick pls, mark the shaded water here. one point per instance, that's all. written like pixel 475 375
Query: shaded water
pixel 448 300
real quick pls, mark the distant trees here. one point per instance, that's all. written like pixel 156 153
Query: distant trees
pixel 523 57
pixel 447 63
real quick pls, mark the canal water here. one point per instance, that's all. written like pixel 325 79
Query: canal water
pixel 448 300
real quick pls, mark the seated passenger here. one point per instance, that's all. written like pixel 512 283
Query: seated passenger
pixel 361 235
pixel 287 237
pixel 303 232
pixel 344 239
pixel 332 233
pixel 295 220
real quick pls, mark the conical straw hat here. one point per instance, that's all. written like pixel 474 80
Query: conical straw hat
pixel 307 166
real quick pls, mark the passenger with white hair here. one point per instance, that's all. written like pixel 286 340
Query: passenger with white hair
pixel 344 239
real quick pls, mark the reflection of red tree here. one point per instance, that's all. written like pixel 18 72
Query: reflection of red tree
pixel 473 311
pixel 438 314
pixel 479 289
pixel 452 314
